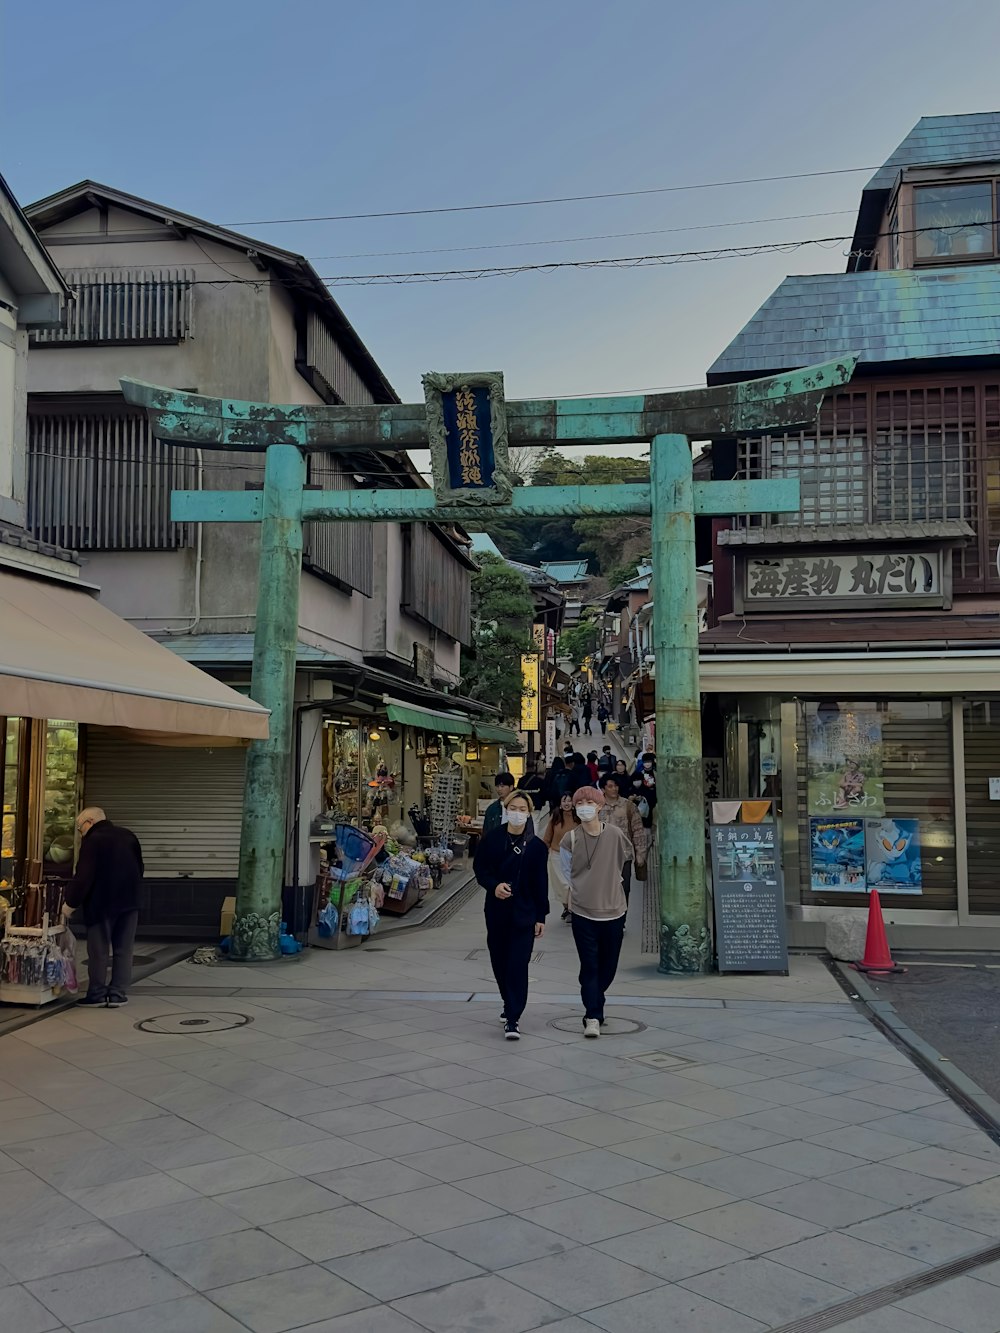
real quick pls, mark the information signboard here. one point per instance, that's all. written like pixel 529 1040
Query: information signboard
pixel 749 897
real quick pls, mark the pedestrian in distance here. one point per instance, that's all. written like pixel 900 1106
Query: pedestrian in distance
pixel 603 716
pixel 557 779
pixel 592 767
pixel 511 864
pixel 560 822
pixel 593 857
pixel 577 773
pixel 106 886
pixel 607 760
pixel 623 813
pixel 588 714
pixel 494 817
pixel 621 771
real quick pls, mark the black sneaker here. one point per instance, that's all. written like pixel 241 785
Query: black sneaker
pixel 93 1002
pixel 511 1031
pixel 503 1019
pixel 117 999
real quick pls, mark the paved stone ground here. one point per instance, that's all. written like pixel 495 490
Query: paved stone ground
pixel 368 1156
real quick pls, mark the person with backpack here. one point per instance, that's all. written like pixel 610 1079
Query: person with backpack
pixel 603 716
pixel 511 864
pixel 593 857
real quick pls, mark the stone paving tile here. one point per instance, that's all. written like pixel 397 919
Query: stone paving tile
pixel 283 1301
pixel 154 1229
pixel 751 1226
pixel 740 1177
pixel 493 1091
pixel 889 1319
pixel 826 1205
pixel 669 1196
pixel 479 1303
pixel 596 1219
pixel 520 1188
pixel 861 1141
pixel 233 1173
pixel 671 1308
pixel 189 1314
pixel 502 1242
pixel 296 1197
pixel 327 1154
pixel 924 1129
pixel 604 1130
pixel 437 1208
pixel 847 1261
pixel 21 1313
pixel 734 1136
pixel 976 1207
pixel 671 1251
pixel 597 1169
pixel 459 1162
pixel 886 1181
pixel 806 1159
pixel 928 1239
pixel 403 1269
pixel 112 1288
pixel 579 1279
pixel 374 1180
pixel 767 1291
pixel 964 1304
pixel 376 1319
pixel 55 1249
pixel 473 1125
pixel 406 1139
pixel 943 1164
pixel 668 1152
pixel 222 1260
pixel 347 1230
pixel 534 1144
pixel 899 1097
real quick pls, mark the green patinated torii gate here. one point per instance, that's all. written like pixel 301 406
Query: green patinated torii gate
pixel 668 421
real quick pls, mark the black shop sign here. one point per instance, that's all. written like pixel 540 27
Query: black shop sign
pixel 749 898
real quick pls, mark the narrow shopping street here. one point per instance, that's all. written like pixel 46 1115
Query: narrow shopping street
pixel 344 1143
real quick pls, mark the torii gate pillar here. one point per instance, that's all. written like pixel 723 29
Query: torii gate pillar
pixel 467 424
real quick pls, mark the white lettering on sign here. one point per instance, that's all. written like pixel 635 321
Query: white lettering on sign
pixel 858 575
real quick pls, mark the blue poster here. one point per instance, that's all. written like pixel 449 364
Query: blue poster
pixel 892 848
pixel 837 855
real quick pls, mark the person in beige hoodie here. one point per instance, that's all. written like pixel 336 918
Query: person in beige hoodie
pixel 592 857
pixel 625 815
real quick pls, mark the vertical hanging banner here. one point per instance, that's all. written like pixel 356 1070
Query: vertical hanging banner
pixel 538 635
pixel 467 437
pixel 530 710
pixel 550 740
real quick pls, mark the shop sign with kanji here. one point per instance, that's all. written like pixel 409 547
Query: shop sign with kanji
pixel 858 578
pixel 467 437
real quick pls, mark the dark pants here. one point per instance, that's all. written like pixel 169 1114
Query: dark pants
pixel 627 879
pixel 598 943
pixel 110 941
pixel 586 726
pixel 511 946
pixel 604 726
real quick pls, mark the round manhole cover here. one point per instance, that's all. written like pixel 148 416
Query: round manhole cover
pixel 613 1027
pixel 192 1025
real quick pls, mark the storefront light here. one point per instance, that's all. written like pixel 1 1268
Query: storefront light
pixel 374 735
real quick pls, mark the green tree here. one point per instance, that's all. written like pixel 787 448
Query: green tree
pixel 577 642
pixel 502 611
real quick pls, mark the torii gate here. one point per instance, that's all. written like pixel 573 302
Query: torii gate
pixel 468 425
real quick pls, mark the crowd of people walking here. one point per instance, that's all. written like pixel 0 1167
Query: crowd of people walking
pixel 575 831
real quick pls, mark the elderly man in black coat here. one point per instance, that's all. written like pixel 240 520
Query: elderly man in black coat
pixel 106 886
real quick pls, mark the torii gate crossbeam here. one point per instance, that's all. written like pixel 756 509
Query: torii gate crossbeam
pixel 285 434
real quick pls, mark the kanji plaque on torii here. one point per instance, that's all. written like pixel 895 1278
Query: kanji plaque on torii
pixel 466 476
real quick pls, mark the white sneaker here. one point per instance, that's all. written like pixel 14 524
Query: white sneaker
pixel 591 1027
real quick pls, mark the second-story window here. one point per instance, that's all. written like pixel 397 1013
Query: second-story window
pixel 954 221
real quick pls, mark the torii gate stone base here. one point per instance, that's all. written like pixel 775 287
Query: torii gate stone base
pixel 467 424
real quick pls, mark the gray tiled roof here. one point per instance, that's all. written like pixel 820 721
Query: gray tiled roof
pixel 893 315
pixel 938 139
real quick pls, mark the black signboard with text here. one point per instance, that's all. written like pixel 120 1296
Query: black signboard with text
pixel 749 896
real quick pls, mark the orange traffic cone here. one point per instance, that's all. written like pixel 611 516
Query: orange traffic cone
pixel 877 956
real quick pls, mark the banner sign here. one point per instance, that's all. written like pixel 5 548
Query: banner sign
pixel 530 702
pixel 857 579
pixel 550 740
pixel 467 437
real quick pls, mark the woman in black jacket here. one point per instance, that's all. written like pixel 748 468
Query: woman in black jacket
pixel 511 864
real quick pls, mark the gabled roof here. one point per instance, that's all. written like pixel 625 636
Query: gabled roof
pixel 897 315
pixel 27 266
pixel 933 141
pixel 295 269
pixel 566 571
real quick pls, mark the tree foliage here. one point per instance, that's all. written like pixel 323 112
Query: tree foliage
pixel 609 542
pixel 578 642
pixel 502 612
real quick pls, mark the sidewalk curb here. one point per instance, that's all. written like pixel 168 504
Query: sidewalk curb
pixel 970 1096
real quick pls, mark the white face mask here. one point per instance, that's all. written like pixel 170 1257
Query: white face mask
pixel 517 818
pixel 586 812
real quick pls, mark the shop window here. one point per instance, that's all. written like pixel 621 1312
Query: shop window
pixel 14 838
pixel 876 803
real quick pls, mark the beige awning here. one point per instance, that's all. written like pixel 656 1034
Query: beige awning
pixel 852 673
pixel 64 655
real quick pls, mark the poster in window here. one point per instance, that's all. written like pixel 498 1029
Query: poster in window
pixel 837 855
pixel 844 760
pixel 892 848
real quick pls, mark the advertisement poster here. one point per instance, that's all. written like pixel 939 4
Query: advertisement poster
pixel 893 853
pixel 844 761
pixel 837 855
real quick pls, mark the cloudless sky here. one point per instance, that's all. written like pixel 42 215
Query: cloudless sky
pixel 239 110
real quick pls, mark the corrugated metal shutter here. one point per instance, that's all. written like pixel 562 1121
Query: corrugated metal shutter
pixel 981 726
pixel 918 772
pixel 184 806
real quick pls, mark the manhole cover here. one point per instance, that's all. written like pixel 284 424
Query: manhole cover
pixel 183 1025
pixel 613 1027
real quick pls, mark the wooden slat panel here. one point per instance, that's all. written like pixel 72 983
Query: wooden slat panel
pixel 124 306
pixel 343 551
pixel 436 588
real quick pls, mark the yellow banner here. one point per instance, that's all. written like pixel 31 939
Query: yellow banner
pixel 530 710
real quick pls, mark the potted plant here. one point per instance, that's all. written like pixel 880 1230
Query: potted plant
pixel 943 240
pixel 977 237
